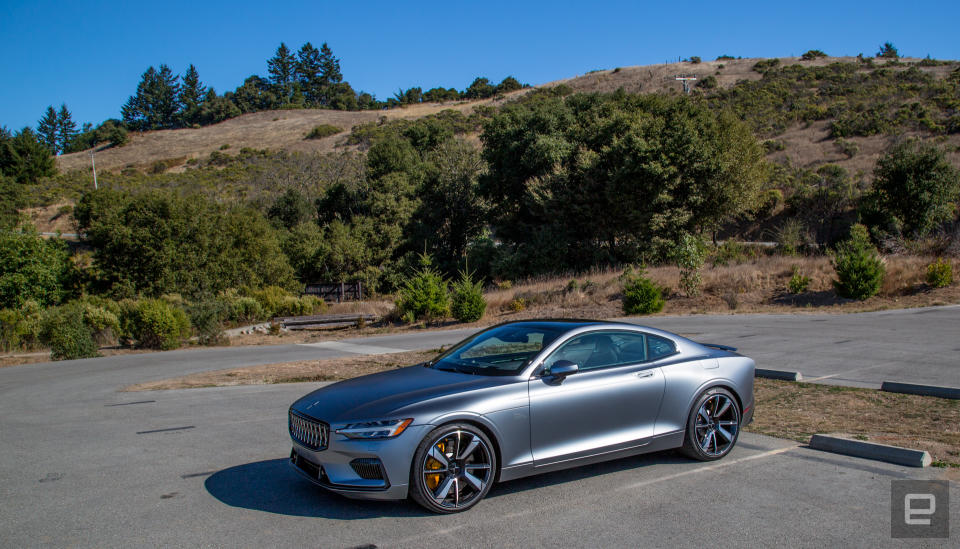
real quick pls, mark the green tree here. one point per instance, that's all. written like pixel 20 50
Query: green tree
pixel 24 158
pixel 329 66
pixel 290 209
pixel 481 88
pixel 155 105
pixel 600 179
pixel 424 295
pixel 11 200
pixel 452 213
pixel 509 84
pixel 915 187
pixel 887 50
pixel 32 268
pixel 282 68
pixel 66 129
pixel 309 70
pixel 859 268
pixel 217 109
pixel 47 130
pixel 256 94
pixel 191 97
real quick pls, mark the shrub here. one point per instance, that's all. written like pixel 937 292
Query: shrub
pixel 812 54
pixel 104 324
pixel 323 130
pixel 689 253
pixel 467 302
pixel 207 318
pixel 641 295
pixel 695 59
pixel 424 295
pixel 859 267
pixel 66 333
pixel 275 301
pixel 791 237
pixel 887 50
pixel 20 328
pixel 732 251
pixel 246 309
pixel 517 304
pixel 32 268
pixel 798 282
pixel 848 148
pixel 940 274
pixel 708 83
pixel 157 324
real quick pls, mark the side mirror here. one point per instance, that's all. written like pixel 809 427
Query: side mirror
pixel 562 368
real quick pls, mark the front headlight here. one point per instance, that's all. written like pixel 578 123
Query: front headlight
pixel 386 428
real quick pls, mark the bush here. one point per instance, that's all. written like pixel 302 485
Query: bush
pixel 812 54
pixel 641 295
pixel 467 302
pixel 798 282
pixel 859 267
pixel 275 301
pixel 156 324
pixel 20 328
pixel 940 274
pixel 104 324
pixel 32 268
pixel 695 59
pixel 207 318
pixel 689 253
pixel 792 237
pixel 424 295
pixel 67 334
pixel 245 309
pixel 734 252
pixel 323 130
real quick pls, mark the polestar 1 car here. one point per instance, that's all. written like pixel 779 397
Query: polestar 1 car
pixel 519 399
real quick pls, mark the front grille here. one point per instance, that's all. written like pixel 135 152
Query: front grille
pixel 309 432
pixel 368 468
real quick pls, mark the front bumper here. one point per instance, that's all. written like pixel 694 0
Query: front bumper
pixel 331 467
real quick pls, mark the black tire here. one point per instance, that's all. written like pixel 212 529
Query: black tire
pixel 711 435
pixel 470 468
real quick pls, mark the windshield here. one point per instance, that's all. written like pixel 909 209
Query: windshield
pixel 500 351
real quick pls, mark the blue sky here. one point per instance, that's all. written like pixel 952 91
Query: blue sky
pixel 90 55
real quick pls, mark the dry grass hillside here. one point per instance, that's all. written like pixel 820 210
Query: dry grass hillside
pixel 276 130
pixel 804 145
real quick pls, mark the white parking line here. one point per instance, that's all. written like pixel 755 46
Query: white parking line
pixel 812 380
pixel 708 468
pixel 354 348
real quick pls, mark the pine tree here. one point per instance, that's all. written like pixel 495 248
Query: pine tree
pixel 329 66
pixel 167 106
pixel 156 104
pixel 308 72
pixel 47 130
pixel 191 97
pixel 66 129
pixel 282 68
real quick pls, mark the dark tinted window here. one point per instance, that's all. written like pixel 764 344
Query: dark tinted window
pixel 659 347
pixel 601 349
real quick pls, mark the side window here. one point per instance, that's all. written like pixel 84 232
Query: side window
pixel 658 347
pixel 602 349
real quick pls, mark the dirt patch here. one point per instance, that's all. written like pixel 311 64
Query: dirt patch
pixel 798 410
pixel 331 369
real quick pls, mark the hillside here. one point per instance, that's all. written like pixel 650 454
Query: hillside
pixel 275 130
pixel 804 145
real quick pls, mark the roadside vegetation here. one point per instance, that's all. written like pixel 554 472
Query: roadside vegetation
pixel 553 203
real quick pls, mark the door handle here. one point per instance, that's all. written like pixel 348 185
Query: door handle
pixel 645 373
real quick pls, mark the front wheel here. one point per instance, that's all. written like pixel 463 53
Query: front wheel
pixel 713 426
pixel 453 468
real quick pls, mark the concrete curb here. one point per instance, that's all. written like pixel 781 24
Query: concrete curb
pixel 925 390
pixel 871 450
pixel 778 374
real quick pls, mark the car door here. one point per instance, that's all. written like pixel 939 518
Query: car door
pixel 610 404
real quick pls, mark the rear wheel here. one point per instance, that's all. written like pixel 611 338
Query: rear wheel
pixel 713 425
pixel 453 468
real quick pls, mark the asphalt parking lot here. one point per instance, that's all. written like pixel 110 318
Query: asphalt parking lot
pixel 82 464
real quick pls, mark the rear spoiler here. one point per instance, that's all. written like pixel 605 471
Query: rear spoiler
pixel 721 347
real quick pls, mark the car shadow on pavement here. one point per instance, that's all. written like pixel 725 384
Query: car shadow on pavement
pixel 273 486
pixel 587 471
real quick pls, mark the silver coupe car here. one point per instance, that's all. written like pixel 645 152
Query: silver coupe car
pixel 519 399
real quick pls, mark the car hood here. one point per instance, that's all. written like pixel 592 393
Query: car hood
pixel 380 395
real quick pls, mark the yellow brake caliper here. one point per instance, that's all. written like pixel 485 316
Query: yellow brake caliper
pixel 433 479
